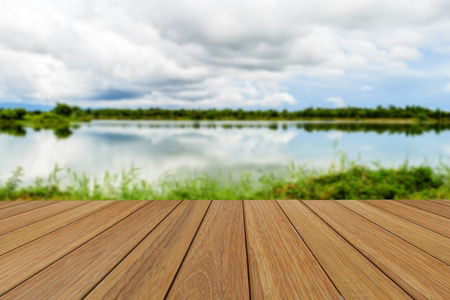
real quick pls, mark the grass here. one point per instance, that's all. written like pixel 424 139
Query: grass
pixel 343 180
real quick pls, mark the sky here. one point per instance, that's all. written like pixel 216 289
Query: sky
pixel 250 54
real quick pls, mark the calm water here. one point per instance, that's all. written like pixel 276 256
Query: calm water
pixel 177 147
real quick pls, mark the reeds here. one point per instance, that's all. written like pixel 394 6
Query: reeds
pixel 344 179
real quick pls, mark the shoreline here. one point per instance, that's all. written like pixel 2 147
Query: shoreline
pixel 343 180
pixel 70 121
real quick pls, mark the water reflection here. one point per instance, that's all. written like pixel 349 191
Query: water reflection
pixel 61 132
pixel 12 129
pixel 408 129
pixel 177 147
pixel 65 131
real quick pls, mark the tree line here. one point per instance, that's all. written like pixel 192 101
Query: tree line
pixel 75 112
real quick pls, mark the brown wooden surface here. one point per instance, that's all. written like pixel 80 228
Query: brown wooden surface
pixel 24 235
pixel 139 274
pixel 23 262
pixel 444 202
pixel 86 265
pixel 354 276
pixel 429 220
pixel 419 274
pixel 4 204
pixel 26 218
pixel 381 249
pixel 437 208
pixel 24 207
pixel 280 264
pixel 431 242
pixel 216 264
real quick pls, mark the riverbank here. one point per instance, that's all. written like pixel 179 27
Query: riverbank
pixel 66 113
pixel 50 120
pixel 344 180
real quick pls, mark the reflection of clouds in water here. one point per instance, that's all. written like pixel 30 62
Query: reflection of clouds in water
pixel 157 134
pixel 95 149
pixel 447 149
pixel 366 147
pixel 154 150
pixel 334 135
pixel 217 143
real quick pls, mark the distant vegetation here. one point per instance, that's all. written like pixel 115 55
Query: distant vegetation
pixel 62 118
pixel 75 113
pixel 391 112
pixel 343 180
pixel 413 112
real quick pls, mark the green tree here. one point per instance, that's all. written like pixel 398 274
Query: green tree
pixel 62 109
pixel 12 114
pixel 422 116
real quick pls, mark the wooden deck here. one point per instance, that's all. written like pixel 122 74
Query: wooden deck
pixel 225 250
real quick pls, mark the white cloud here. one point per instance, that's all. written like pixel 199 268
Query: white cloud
pixel 443 50
pixel 204 52
pixel 339 102
pixel 366 88
pixel 447 88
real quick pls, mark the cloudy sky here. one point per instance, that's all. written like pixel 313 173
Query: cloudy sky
pixel 237 53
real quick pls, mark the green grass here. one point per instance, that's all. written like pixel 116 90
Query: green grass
pixel 343 180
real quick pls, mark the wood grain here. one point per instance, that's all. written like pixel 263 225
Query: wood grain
pixel 26 218
pixel 5 204
pixel 429 241
pixel 216 264
pixel 23 262
pixel 88 264
pixel 280 264
pixel 21 236
pixel 437 208
pixel 419 274
pixel 362 248
pixel 148 271
pixel 429 220
pixel 24 207
pixel 444 202
pixel 354 276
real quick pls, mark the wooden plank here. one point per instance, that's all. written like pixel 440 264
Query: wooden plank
pixel 19 209
pixel 429 241
pixel 77 273
pixel 21 236
pixel 23 262
pixel 280 264
pixel 354 276
pixel 216 264
pixel 151 267
pixel 444 202
pixel 430 206
pixel 419 274
pixel 17 221
pixel 421 217
pixel 5 204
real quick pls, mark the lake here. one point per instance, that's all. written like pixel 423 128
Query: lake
pixel 168 147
